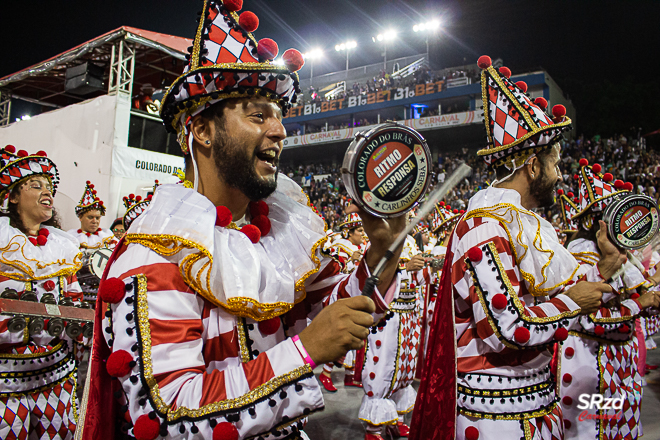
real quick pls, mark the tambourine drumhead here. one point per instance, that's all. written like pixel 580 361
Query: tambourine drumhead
pixel 387 169
pixel 99 260
pixel 632 220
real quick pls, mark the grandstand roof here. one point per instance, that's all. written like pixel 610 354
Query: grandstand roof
pixel 159 58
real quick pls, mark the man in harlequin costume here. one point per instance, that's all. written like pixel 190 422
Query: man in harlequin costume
pixel 509 284
pixel 348 249
pixel 202 321
pixel 38 364
pixel 601 353
pixel 90 210
pixel 390 356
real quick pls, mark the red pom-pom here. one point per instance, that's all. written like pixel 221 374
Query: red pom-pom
pixel 624 329
pixel 293 60
pixel 462 211
pixel 634 296
pixel 558 111
pixel 505 71
pixel 112 290
pixel 475 254
pixel 448 207
pixel 267 49
pixel 88 182
pixel 118 364
pixel 522 85
pixel 599 330
pixel 583 162
pixel 372 375
pixel 41 240
pixel 575 176
pixel 222 216
pixel 10 149
pixel 576 200
pixel 569 352
pixel 370 393
pixel 41 153
pixel 225 431
pixel 567 400
pixel 376 359
pixel 521 335
pixel 442 203
pixel 597 168
pixel 471 433
pixel 252 232
pixel 49 285
pixel 455 211
pixel 233 5
pixel 258 208
pixel 44 232
pixel 138 198
pixel 248 21
pixel 263 223
pixel 541 102
pixel 91 186
pixel 269 326
pixel 146 428
pixel 499 301
pixel 149 197
pixel 560 192
pixel 567 378
pixel 22 153
pixel 79 231
pixel 33 241
pixel 378 343
pixel 567 424
pixel 570 195
pixel 628 186
pixel 618 183
pixel 561 334
pixel 131 196
pixel 413 285
pixel 484 62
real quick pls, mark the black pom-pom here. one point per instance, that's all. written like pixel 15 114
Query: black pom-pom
pixel 182 429
pixel 134 380
pixel 272 403
pixel 252 412
pixel 212 423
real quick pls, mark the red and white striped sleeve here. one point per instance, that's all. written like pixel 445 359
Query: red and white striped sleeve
pixel 488 281
pixel 72 288
pixel 164 328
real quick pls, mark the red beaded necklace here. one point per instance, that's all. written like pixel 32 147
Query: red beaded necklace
pixel 259 223
pixel 41 238
pixel 89 234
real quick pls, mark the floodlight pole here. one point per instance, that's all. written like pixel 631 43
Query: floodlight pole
pixel 5 108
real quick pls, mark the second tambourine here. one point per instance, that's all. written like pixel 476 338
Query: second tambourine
pixel 386 170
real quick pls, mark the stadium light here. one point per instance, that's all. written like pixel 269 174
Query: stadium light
pixel 428 28
pixel 347 46
pixel 386 36
pixel 279 62
pixel 312 55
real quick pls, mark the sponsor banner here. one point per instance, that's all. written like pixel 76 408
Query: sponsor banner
pixel 367 99
pixel 138 164
pixel 347 134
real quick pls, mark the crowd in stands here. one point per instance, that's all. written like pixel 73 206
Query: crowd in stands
pixel 625 156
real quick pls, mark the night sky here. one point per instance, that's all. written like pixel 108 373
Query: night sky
pixel 586 46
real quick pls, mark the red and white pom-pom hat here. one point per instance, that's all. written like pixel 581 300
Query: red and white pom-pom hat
pixel 226 61
pixel 444 218
pixel 420 227
pixel 568 205
pixel 516 126
pixel 18 165
pixel 596 190
pixel 135 206
pixel 350 221
pixel 89 201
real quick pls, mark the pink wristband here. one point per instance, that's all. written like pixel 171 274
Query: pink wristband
pixel 301 349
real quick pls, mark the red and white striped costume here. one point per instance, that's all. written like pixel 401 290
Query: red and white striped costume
pixel 600 355
pixel 208 326
pixel 37 372
pixel 508 272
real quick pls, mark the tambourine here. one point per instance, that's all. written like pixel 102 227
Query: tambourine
pixel 632 220
pixel 386 170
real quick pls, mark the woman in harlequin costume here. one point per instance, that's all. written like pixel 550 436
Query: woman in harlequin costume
pixel 38 370
pixel 201 326
pixel 89 211
pixel 507 283
pixel 348 249
pixel 601 353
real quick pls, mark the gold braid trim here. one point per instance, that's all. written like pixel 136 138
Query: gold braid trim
pixel 517 416
pixel 504 393
pixel 32 355
pixel 248 398
pixel 507 217
pixel 49 386
pixel 200 280
pixel 25 272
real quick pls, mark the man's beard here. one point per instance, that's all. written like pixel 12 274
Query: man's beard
pixel 237 168
pixel 543 190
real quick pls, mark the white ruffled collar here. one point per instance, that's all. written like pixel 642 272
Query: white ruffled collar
pixel 543 262
pixel 21 260
pixel 259 281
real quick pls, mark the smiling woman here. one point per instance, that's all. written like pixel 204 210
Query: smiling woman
pixel 30 205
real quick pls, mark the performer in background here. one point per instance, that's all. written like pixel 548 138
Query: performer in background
pixel 348 249
pixel 117 228
pixel 601 353
pixel 89 211
pixel 202 321
pixel 37 392
pixel 509 283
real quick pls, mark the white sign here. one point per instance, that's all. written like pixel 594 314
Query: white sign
pixel 138 164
